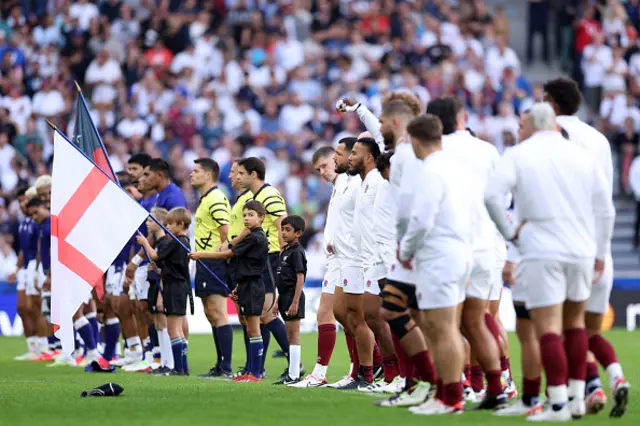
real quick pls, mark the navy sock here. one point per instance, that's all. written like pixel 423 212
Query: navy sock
pixel 153 338
pixel 111 335
pixel 266 339
pixel 176 348
pixel 216 342
pixel 225 338
pixel 185 352
pixel 246 347
pixel 96 329
pixel 257 351
pixel 279 331
pixel 86 332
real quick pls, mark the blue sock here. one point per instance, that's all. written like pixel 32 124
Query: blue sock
pixel 266 339
pixel 216 342
pixel 279 331
pixel 52 342
pixel 185 351
pixel 176 348
pixel 225 337
pixel 111 336
pixel 94 326
pixel 256 353
pixel 86 332
pixel 246 348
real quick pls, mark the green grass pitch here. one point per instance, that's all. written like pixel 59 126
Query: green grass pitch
pixel 32 394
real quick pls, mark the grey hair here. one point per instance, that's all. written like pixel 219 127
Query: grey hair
pixel 543 117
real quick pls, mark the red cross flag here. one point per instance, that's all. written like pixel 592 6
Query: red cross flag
pixel 91 221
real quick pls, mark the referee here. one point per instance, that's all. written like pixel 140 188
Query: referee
pixel 251 174
pixel 211 229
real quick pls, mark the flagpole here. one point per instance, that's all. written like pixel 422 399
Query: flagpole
pixel 95 129
pixel 187 249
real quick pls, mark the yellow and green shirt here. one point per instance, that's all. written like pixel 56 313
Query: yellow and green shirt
pixel 237 219
pixel 276 207
pixel 213 212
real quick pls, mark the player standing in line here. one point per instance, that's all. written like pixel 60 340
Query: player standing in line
pixel 251 174
pixel 28 246
pixel 399 305
pixel 525 330
pixel 439 237
pixel 564 203
pixel 323 161
pixel 479 159
pixel 211 230
pixel 564 96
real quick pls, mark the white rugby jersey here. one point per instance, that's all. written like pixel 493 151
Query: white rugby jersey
pixel 562 195
pixel 440 223
pixel 478 158
pixel 403 177
pixel 364 235
pixel 340 216
pixel 384 211
pixel 332 213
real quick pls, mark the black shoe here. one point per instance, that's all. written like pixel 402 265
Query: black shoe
pixel 378 372
pixel 241 372
pixel 213 373
pixel 278 354
pixel 160 371
pixel 285 374
pixel 493 402
pixel 177 373
pixel 360 381
pixel 287 380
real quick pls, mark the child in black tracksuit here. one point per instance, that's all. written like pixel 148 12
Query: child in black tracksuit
pixel 292 273
pixel 173 261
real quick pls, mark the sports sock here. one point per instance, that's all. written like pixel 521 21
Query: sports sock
pixel 390 368
pixel 477 378
pixel 163 355
pixel 32 344
pixel 467 373
pixel 225 338
pixel 43 344
pixel 167 357
pixel 377 356
pixel 493 327
pixel 176 349
pixel 593 377
pixel 216 342
pixel 452 393
pixel 91 316
pixel 505 366
pixel 425 370
pixel 257 352
pixel 367 372
pixel 439 389
pixel 353 354
pixel 554 362
pixel 576 345
pixel 111 335
pixel 85 331
pixel 294 362
pixel 153 337
pixel 185 352
pixel 279 331
pixel 494 382
pixel 266 339
pixel 326 343
pixel 530 391
pixel 51 342
pixel 246 348
pixel 135 346
pixel 606 356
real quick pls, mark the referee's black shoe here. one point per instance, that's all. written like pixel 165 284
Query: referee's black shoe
pixel 493 402
pixel 217 373
pixel 285 375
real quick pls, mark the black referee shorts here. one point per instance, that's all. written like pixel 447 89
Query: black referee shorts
pixel 251 296
pixel 174 298
pixel 207 285
pixel 270 270
pixel 285 298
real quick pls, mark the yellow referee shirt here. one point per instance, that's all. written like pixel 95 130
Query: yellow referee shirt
pixel 237 219
pixel 213 212
pixel 276 207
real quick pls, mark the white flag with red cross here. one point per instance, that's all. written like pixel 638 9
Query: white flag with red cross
pixel 91 221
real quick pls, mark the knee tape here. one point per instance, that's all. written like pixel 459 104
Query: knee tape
pixel 401 326
pixel 521 311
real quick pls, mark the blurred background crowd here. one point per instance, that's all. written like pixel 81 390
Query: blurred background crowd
pixel 183 79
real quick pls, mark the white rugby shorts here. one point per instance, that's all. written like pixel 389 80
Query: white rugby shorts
pixel 332 275
pixel 386 256
pixel 140 283
pixel 442 286
pixel 35 278
pixel 21 279
pixel 601 290
pixel 519 289
pixel 400 274
pixel 358 280
pixel 482 275
pixel 551 282
pixel 114 281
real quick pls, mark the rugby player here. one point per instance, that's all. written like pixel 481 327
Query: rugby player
pixel 567 214
pixel 439 237
pixel 479 159
pixel 564 96
pixel 251 174
pixel 211 230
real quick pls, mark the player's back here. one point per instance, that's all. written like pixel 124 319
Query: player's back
pixel 554 193
pixel 478 159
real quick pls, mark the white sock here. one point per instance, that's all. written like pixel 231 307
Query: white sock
pixel 558 394
pixel 43 344
pixel 167 353
pixel 505 376
pixel 614 371
pixel 294 361
pixel 134 344
pixel 576 389
pixel 146 342
pixel 118 348
pixel 163 356
pixel 32 344
pixel 320 371
pixel 92 354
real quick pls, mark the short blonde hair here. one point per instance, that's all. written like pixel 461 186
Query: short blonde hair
pixel 43 181
pixel 31 192
pixel 159 213
pixel 179 215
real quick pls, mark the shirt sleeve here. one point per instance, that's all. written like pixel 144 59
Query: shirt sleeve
pixel 244 245
pixel 219 211
pixel 371 123
pixel 604 212
pixel 275 206
pixel 501 182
